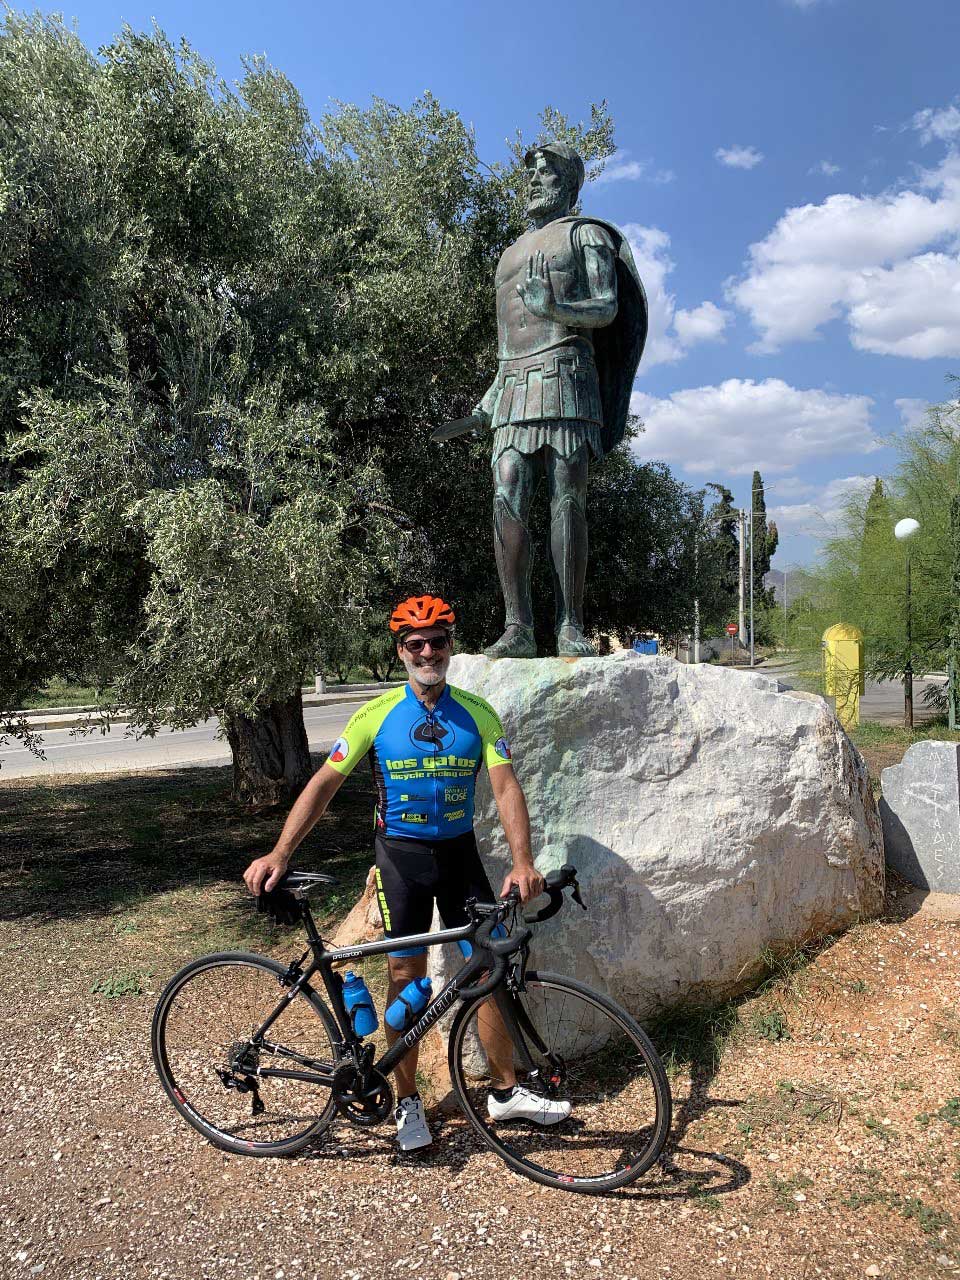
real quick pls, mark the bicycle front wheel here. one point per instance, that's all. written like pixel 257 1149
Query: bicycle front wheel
pixel 569 1044
pixel 209 1056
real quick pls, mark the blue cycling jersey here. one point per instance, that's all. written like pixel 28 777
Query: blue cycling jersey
pixel 425 760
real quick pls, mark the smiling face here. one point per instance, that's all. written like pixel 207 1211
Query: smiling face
pixel 549 192
pixel 429 666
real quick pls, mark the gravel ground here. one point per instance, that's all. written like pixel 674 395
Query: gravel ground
pixel 817 1128
pixel 798 1157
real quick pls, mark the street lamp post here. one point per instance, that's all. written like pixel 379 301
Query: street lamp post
pixel 903 530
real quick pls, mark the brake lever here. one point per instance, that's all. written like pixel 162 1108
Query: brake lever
pixel 575 895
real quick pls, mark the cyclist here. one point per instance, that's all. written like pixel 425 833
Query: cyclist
pixel 426 742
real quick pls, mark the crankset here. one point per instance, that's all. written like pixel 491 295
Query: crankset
pixel 364 1098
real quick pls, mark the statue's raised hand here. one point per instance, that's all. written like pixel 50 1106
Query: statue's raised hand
pixel 537 289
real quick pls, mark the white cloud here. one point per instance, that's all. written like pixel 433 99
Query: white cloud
pixel 826 167
pixel 822 514
pixel 911 309
pixel 790 487
pixel 620 168
pixel 705 323
pixel 938 124
pixel 671 332
pixel 913 412
pixel 737 157
pixel 741 425
pixel 867 260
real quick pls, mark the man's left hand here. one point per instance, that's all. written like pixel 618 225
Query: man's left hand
pixel 527 879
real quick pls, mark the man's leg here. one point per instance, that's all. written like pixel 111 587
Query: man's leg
pixel 461 876
pixel 405 879
pixel 569 544
pixel 404 969
pixel 497 1045
pixel 515 481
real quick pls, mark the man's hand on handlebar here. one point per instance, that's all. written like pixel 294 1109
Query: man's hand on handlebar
pixel 263 873
pixel 527 879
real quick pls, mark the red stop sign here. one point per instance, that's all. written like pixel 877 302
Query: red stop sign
pixel 732 628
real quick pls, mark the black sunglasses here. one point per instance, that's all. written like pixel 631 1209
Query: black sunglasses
pixel 436 643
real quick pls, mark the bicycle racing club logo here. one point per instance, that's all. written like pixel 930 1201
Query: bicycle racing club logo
pixel 431 733
pixel 340 751
pixel 502 748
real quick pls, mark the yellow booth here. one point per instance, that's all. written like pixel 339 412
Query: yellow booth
pixel 843 670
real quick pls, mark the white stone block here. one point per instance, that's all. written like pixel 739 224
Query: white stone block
pixel 710 813
pixel 920 809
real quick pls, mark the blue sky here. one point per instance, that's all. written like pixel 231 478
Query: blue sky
pixel 788 173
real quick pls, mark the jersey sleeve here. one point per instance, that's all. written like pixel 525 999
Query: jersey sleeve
pixel 496 749
pixel 588 235
pixel 354 742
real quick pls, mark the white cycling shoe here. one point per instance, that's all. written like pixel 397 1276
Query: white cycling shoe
pixel 526 1105
pixel 413 1132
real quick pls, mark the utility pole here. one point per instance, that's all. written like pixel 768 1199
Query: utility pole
pixel 742 540
pixel 784 608
pixel 696 598
pixel 752 523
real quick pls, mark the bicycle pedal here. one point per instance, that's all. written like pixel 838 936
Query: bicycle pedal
pixel 257 1108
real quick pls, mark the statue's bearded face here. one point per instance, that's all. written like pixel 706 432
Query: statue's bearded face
pixel 549 191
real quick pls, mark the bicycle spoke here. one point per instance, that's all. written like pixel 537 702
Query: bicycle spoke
pixel 610 1076
pixel 205 1041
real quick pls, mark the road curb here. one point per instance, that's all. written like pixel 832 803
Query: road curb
pixel 71 719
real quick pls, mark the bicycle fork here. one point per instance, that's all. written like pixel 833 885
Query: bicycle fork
pixel 524 1034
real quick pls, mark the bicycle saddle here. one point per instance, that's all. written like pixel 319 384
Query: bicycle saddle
pixel 300 883
pixel 282 903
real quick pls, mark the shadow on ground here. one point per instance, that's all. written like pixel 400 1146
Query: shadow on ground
pixel 76 846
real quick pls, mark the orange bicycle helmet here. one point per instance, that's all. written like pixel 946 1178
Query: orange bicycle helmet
pixel 421 611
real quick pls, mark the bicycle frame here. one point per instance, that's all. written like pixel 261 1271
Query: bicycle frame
pixel 324 960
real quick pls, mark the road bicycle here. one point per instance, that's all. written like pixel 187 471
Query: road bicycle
pixel 263 1076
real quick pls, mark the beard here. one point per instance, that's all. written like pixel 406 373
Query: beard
pixel 543 203
pixel 425 673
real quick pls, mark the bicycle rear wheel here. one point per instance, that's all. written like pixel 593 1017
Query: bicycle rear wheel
pixel 207 1061
pixel 585 1050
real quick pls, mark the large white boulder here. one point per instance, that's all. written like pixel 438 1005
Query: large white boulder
pixel 711 814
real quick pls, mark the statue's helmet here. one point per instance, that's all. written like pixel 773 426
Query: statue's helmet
pixel 569 161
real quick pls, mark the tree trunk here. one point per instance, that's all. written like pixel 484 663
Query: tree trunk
pixel 271 757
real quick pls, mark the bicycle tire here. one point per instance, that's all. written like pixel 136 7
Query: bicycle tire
pixel 205 1090
pixel 635 1077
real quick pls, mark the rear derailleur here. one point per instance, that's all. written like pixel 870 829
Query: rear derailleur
pixel 240 1074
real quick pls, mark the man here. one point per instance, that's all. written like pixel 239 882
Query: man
pixel 571 324
pixel 426 742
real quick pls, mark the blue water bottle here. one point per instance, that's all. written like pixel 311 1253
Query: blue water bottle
pixel 359 1005
pixel 414 997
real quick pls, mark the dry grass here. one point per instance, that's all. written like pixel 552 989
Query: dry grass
pixel 817 1122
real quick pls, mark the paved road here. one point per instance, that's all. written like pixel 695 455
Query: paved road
pixel 882 701
pixel 116 751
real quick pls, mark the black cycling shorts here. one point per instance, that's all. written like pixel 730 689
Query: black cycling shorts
pixel 412 874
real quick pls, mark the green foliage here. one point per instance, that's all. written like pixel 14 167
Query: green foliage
pixel 770 1024
pixel 862 579
pixel 227 331
pixel 765 540
pixel 113 986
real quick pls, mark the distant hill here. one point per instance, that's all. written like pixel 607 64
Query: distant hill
pixel 799 582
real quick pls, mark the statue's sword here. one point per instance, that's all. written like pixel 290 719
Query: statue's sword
pixel 459 427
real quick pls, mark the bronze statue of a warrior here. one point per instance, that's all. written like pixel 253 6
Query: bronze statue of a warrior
pixel 571 324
